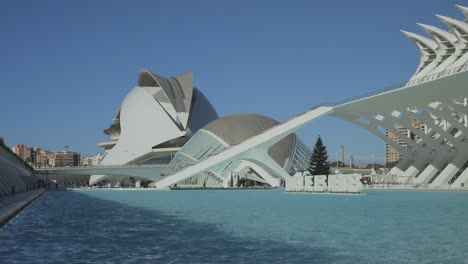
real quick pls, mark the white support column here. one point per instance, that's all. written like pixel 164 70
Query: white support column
pixel 431 170
pixel 462 179
pixel 416 167
pixel 400 168
pixel 423 153
pixel 446 175
pixel 396 171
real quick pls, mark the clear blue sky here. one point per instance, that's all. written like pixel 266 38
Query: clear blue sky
pixel 65 66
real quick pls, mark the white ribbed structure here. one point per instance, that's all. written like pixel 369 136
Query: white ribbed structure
pixel 434 96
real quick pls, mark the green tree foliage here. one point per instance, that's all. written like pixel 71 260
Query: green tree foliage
pixel 319 164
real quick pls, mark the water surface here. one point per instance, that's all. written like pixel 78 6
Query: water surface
pixel 239 227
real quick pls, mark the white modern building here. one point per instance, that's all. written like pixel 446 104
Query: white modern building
pixel 435 96
pixel 155 118
pixel 91 160
pixel 154 121
pixel 268 167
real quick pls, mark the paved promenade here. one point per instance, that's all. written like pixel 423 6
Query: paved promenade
pixel 12 205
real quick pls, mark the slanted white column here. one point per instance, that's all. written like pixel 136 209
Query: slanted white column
pixel 400 168
pixel 416 167
pixel 447 174
pixel 431 170
pixel 422 156
pixel 462 179
pixel 396 171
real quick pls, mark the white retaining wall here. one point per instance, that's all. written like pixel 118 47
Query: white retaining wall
pixel 337 183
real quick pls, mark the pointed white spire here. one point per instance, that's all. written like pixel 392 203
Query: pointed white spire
pixel 431 30
pixel 426 41
pixel 428 48
pixel 450 22
pixel 463 9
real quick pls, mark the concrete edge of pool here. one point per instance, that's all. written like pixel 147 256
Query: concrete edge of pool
pixel 13 205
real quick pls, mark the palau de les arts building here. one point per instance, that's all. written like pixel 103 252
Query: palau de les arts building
pixel 169 122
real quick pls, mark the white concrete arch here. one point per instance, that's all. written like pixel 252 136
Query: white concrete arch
pixel 448 42
pixel 460 29
pixel 268 177
pixel 429 50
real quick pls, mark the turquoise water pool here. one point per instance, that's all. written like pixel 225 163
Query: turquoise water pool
pixel 264 226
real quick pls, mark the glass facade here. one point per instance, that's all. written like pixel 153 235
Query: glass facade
pixel 164 159
pixel 203 145
pixel 200 147
pixel 301 156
